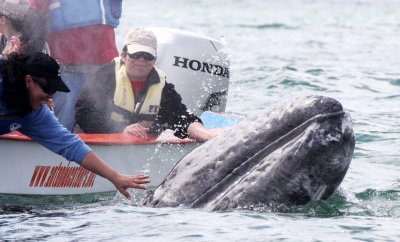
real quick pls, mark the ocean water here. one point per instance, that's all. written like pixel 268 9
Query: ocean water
pixel 346 49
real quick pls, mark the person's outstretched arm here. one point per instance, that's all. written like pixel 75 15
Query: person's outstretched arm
pixel 175 114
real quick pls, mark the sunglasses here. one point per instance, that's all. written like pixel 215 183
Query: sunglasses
pixel 146 56
pixel 45 86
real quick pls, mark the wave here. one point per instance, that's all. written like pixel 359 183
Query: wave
pixel 267 26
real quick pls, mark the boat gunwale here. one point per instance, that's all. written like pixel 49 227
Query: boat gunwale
pixel 116 139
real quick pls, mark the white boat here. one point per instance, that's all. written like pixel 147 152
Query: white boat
pixel 30 169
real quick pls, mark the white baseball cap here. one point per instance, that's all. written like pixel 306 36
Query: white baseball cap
pixel 14 9
pixel 141 40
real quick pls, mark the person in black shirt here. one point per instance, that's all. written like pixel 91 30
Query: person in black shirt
pixel 130 95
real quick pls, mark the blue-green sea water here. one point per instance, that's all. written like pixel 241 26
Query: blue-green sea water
pixel 346 49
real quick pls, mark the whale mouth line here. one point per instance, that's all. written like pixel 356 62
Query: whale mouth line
pixel 251 162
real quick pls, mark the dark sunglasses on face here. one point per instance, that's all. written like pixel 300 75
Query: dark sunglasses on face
pixel 146 56
pixel 44 85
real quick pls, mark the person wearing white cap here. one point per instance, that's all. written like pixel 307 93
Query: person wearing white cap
pixel 131 95
pixel 22 29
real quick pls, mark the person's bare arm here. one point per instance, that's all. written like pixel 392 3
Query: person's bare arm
pixel 197 131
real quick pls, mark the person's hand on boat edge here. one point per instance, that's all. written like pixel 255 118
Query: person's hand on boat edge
pixel 197 131
pixel 122 182
pixel 137 130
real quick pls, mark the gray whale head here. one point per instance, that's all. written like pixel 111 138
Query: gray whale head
pixel 292 154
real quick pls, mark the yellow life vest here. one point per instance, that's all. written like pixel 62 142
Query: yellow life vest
pixel 124 96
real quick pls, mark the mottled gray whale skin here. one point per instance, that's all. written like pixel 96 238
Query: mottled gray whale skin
pixel 295 153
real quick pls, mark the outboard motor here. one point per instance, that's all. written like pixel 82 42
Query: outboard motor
pixel 197 65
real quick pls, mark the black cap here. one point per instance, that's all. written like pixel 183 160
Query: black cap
pixel 42 65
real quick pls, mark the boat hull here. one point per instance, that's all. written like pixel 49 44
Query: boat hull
pixel 28 168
